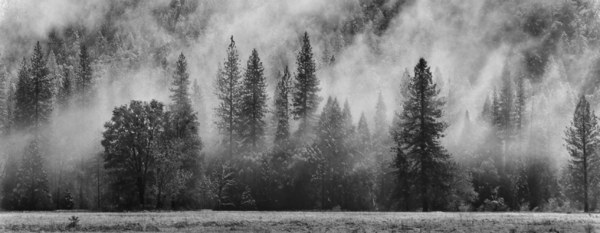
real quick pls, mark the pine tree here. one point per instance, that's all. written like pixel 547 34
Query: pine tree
pixel 185 119
pixel 306 88
pixel 184 127
pixel 582 139
pixel 32 188
pixel 23 104
pixel 253 106
pixel 418 140
pixel 84 81
pixel 229 94
pixel 347 119
pixel 4 102
pixel 507 106
pixel 519 107
pixel 41 89
pixel 364 134
pixel 65 91
pixel 282 107
pixel 332 152
pixel 381 125
pixel 198 103
pixel 486 114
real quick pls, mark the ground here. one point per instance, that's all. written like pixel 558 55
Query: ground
pixel 233 221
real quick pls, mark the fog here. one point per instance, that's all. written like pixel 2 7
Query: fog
pixel 470 42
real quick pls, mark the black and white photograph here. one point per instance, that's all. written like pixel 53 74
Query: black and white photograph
pixel 300 116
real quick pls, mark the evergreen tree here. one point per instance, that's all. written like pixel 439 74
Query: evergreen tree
pixel 84 81
pixel 253 106
pixel 182 135
pixel 505 123
pixel 519 107
pixel 486 114
pixel 65 91
pixel 4 102
pixel 305 98
pixel 185 118
pixel 23 101
pixel 419 139
pixel 582 139
pixel 9 183
pixel 32 189
pixel 364 134
pixel 332 161
pixel 229 94
pixel 347 119
pixel 381 125
pixel 41 89
pixel 282 107
pixel 198 103
pixel 55 74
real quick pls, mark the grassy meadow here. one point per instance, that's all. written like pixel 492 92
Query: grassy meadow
pixel 234 221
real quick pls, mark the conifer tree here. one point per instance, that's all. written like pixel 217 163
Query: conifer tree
pixel 23 104
pixel 347 119
pixel 84 81
pixel 65 91
pixel 4 121
pixel 332 152
pixel 32 188
pixel 253 107
pixel 198 103
pixel 418 140
pixel 364 134
pixel 381 125
pixel 519 105
pixel 486 114
pixel 229 94
pixel 505 127
pixel 185 119
pixel 306 88
pixel 582 141
pixel 282 107
pixel 184 138
pixel 41 89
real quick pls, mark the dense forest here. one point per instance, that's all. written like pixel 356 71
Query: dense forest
pixel 378 105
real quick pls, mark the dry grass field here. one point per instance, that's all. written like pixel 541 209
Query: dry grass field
pixel 217 221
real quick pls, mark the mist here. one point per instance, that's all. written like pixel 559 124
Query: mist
pixel 470 46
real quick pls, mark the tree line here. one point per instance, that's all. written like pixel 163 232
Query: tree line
pixel 284 154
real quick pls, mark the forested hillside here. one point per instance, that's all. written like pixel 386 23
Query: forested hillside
pixel 298 105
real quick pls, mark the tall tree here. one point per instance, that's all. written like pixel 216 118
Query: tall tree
pixel 419 138
pixel 519 107
pixel 129 142
pixel 84 81
pixel 381 125
pixel 198 103
pixel 229 94
pixel 65 91
pixel 282 107
pixel 182 137
pixel 23 102
pixel 347 119
pixel 582 144
pixel 32 188
pixel 363 129
pixel 41 88
pixel 332 157
pixel 4 102
pixel 185 119
pixel 253 107
pixel 305 96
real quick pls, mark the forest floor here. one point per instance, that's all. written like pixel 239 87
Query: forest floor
pixel 234 221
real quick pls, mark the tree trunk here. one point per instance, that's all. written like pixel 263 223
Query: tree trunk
pixel 141 191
